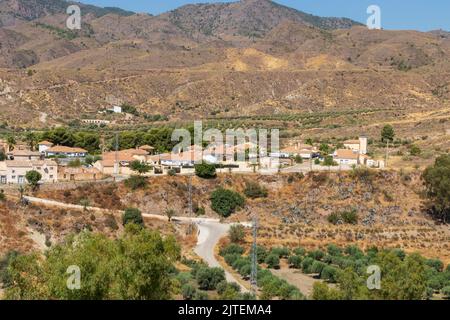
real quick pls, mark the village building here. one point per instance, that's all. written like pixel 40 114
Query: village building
pixel 346 157
pixel 65 152
pixel 359 146
pixel 96 121
pixel 44 146
pixel 14 171
pixel 305 151
pixel 115 163
pixel 23 155
pixel 79 174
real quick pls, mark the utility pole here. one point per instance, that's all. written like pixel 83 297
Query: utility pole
pixel 116 156
pixel 387 153
pixel 190 196
pixel 254 273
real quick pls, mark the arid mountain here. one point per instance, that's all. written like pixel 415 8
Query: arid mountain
pixel 242 59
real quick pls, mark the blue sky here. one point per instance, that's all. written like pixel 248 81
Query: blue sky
pixel 422 15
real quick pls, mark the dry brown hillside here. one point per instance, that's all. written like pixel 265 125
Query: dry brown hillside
pixel 391 211
pixel 184 65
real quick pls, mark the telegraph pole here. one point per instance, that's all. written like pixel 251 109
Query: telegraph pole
pixel 116 156
pixel 254 273
pixel 190 195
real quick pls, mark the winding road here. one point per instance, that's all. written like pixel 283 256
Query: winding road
pixel 210 231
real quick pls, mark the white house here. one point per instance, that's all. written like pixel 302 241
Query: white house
pixel 44 146
pixel 14 171
pixel 67 152
pixel 347 157
pixel 359 146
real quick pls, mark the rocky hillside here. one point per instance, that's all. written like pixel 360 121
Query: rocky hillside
pixel 246 58
pixel 389 207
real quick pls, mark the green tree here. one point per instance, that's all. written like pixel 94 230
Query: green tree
pixel 132 215
pixel 140 167
pixel 225 202
pixel 11 141
pixel 387 133
pixel 33 177
pixel 188 291
pixel 209 278
pixel 236 233
pixel 253 190
pixel 169 214
pixel 437 183
pixel 205 170
pixel 136 266
pixel 136 182
pixel 273 261
pixel 31 139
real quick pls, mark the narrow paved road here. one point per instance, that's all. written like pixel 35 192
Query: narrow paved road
pixel 209 235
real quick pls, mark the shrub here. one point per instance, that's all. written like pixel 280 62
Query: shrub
pixel 281 252
pixel 261 254
pixel 446 292
pixel 295 262
pixel 273 261
pixel 334 218
pixel 316 254
pixel 132 215
pixel 298 159
pixel 231 258
pixel 354 251
pixel 236 233
pixel 334 250
pixel 245 270
pixel 317 267
pixel 33 177
pixel 136 182
pixel 201 295
pixel 253 190
pixel 350 217
pixel 437 181
pixel 329 273
pixel 436 264
pixel 188 291
pixel 232 249
pixel 171 172
pixel 209 278
pixel 140 167
pixel 240 262
pixel 2 196
pixel 205 170
pixel 299 251
pixel 306 265
pixel 415 150
pixel 225 202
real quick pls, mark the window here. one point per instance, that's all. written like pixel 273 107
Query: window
pixel 13 177
pixel 39 168
pixel 51 176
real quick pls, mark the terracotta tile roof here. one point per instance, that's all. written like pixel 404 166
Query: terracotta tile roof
pixel 64 149
pixel 137 152
pixel 146 147
pixel 18 164
pixel 346 154
pixel 25 153
pixel 45 143
pixel 351 142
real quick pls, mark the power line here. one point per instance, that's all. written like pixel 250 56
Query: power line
pixel 254 273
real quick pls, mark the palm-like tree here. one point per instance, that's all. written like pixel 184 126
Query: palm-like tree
pixel 31 140
pixel 11 141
